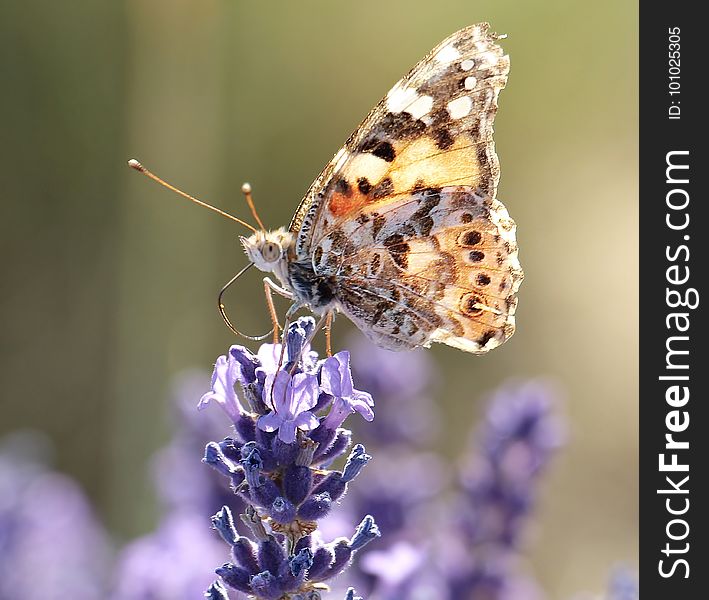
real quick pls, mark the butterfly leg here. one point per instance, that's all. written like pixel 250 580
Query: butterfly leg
pixel 328 334
pixel 269 287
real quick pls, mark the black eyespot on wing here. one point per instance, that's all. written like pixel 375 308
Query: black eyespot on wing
pixel 483 279
pixel 471 238
pixel 470 304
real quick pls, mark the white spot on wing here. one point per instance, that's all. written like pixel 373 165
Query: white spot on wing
pixel 447 54
pixel 470 83
pixel 399 97
pixel 460 107
pixel 420 107
pixel 405 99
pixel 366 165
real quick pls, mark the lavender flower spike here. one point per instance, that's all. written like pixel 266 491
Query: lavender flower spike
pixel 279 468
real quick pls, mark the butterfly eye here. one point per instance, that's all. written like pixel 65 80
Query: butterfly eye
pixel 270 252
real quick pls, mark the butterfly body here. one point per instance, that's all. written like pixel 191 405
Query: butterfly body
pixel 402 231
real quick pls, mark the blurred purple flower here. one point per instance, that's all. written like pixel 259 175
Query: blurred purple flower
pixel 434 550
pixel 623 585
pixel 515 442
pixel 395 568
pixel 401 382
pixel 51 545
pixel 398 490
pixel 174 562
pixel 513 445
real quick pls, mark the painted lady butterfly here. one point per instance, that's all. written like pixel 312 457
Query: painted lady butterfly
pixel 402 232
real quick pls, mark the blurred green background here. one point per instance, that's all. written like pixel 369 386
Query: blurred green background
pixel 109 281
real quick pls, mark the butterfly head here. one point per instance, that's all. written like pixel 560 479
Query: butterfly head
pixel 268 250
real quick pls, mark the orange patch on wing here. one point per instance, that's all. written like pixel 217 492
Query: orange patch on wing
pixel 342 204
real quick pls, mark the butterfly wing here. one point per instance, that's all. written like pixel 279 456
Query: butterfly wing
pixel 387 218
pixel 433 128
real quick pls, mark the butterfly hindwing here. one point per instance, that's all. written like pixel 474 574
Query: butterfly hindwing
pixel 437 265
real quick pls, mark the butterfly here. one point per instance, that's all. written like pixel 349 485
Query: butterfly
pixel 402 231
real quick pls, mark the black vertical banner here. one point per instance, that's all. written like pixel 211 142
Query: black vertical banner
pixel 674 430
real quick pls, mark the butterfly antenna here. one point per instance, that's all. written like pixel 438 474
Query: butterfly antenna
pixel 134 164
pixel 246 190
pixel 222 310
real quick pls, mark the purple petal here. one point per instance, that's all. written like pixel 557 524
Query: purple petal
pixel 269 355
pixel 306 421
pixel 338 413
pixel 330 378
pixel 343 358
pixel 305 393
pixel 362 403
pixel 267 388
pixel 247 364
pixel 208 397
pixel 278 393
pixel 269 422
pixel 224 377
